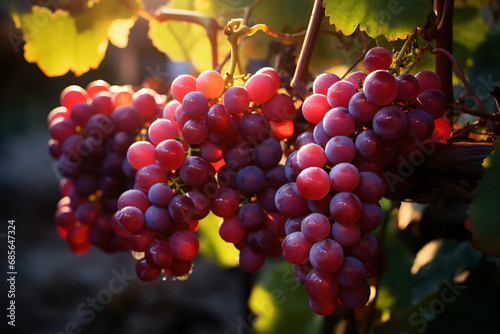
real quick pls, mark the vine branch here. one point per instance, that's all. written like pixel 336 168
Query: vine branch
pixel 299 78
pixel 452 59
pixel 399 60
pixel 444 40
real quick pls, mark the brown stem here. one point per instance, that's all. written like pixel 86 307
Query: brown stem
pixel 249 10
pixel 286 38
pixel 223 62
pixel 477 113
pixel 452 59
pixel 299 79
pixel 353 65
pixel 444 41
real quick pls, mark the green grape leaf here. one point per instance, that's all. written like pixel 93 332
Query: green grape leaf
pixel 468 305
pixel 441 260
pixel 483 211
pixel 280 302
pixel 211 244
pixel 59 42
pixel 390 18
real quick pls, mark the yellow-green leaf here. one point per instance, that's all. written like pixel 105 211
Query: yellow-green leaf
pixel 390 18
pixel 59 42
pixel 182 41
pixel 119 30
pixel 56 46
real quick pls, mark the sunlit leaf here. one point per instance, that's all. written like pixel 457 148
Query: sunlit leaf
pixel 281 303
pixel 392 19
pixel 57 47
pixel 211 244
pixel 59 42
pixel 182 41
pixel 483 212
pixel 119 30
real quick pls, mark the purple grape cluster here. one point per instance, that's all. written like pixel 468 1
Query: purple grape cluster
pixel 91 132
pixel 211 149
pixel 335 175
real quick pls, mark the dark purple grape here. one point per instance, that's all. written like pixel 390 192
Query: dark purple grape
pixel 253 127
pixel 296 247
pixel 160 194
pixel 345 208
pixel 251 217
pixel 195 104
pixel 145 272
pixel 158 219
pixel 320 136
pixel 351 273
pixel 194 171
pixel 238 155
pixel 227 136
pixel 181 208
pixel 303 139
pixel 289 201
pixel 126 118
pixel 249 260
pixel 159 255
pixel 86 184
pixel 320 285
pixel 276 177
pixel 266 199
pixel 195 131
pixel 80 113
pixel 226 203
pixel 268 153
pixel 201 204
pixel 130 218
pixel 390 122
pixel 217 118
pixel 250 180
pixel 371 217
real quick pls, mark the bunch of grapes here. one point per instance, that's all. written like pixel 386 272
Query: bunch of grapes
pixel 362 123
pixel 140 174
pixel 211 150
pixel 91 132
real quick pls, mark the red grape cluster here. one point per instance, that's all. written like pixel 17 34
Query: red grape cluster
pixel 362 123
pixel 139 174
pixel 211 148
pixel 91 132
